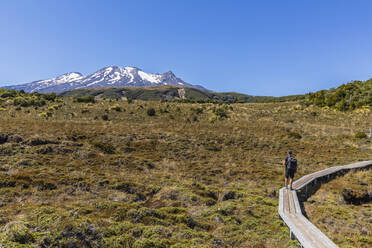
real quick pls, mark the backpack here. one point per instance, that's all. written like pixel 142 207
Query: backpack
pixel 292 163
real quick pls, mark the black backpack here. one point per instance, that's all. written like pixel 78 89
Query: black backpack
pixel 292 163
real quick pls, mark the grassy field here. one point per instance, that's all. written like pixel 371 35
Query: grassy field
pixel 342 209
pixel 118 174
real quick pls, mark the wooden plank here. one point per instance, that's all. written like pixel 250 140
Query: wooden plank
pixel 318 234
pixel 297 203
pixel 287 207
pixel 311 239
pixel 281 207
pixel 292 209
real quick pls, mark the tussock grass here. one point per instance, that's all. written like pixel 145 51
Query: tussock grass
pixel 72 179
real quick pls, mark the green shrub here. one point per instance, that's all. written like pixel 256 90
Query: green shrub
pixel 19 233
pixel 151 112
pixel 45 114
pixel 124 240
pixel 53 107
pixel 220 112
pixel 116 108
pixel 49 96
pixel 104 147
pixel 150 243
pixel 8 94
pixel 28 101
pixel 294 135
pixel 85 99
pixel 360 135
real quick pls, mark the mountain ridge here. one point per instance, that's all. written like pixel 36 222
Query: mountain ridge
pixel 110 76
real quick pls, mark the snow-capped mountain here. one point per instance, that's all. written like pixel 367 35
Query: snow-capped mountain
pixel 112 76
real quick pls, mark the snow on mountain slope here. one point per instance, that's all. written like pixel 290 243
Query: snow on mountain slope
pixel 153 78
pixel 112 76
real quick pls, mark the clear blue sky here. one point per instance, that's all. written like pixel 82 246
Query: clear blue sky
pixel 255 47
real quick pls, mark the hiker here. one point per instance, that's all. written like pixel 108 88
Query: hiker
pixel 290 164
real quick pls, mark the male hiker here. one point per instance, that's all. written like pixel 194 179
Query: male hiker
pixel 290 164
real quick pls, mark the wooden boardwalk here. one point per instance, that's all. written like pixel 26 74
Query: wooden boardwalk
pixel 290 211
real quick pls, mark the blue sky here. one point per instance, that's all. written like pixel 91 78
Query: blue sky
pixel 254 47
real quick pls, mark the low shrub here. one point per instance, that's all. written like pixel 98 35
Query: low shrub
pixel 85 99
pixel 151 112
pixel 220 112
pixel 28 101
pixel 150 243
pixel 8 94
pixel 49 96
pixel 360 135
pixel 45 114
pixel 53 107
pixel 116 108
pixel 36 141
pixel 104 147
pixel 294 135
pixel 19 233
pixel 3 138
pixel 45 185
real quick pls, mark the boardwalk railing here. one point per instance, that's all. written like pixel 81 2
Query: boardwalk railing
pixel 290 211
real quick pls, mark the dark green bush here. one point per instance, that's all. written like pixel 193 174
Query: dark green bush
pixel 220 112
pixel 8 93
pixel 19 233
pixel 28 101
pixel 49 96
pixel 294 135
pixel 360 135
pixel 85 99
pixel 104 147
pixel 151 112
pixel 116 108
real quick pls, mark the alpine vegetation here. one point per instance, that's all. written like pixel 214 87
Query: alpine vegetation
pixel 80 171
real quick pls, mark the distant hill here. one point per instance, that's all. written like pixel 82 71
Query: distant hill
pixel 157 93
pixel 348 96
pixel 112 76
